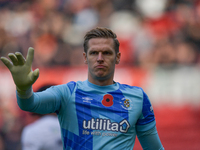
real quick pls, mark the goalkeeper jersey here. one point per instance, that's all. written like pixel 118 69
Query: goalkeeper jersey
pixel 98 117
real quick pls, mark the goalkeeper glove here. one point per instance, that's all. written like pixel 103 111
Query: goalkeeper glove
pixel 21 70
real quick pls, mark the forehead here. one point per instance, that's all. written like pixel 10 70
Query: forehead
pixel 101 43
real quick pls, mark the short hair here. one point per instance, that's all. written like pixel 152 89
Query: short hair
pixel 100 32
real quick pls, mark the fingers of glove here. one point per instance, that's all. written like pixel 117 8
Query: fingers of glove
pixel 20 57
pixel 13 58
pixel 30 55
pixel 7 62
pixel 35 75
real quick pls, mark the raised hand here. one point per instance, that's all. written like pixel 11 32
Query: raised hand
pixel 21 69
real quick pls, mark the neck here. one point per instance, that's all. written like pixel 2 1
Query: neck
pixel 101 82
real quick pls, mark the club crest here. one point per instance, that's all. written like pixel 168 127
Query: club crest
pixel 126 103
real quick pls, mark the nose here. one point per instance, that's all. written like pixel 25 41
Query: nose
pixel 100 57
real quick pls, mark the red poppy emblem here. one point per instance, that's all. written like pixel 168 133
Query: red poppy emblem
pixel 107 100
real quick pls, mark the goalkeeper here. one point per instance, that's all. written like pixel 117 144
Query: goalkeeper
pixel 98 113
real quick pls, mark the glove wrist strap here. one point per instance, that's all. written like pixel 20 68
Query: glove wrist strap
pixel 25 93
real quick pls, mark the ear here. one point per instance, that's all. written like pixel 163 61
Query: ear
pixel 85 57
pixel 118 58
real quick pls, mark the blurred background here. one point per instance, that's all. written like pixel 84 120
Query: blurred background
pixel 160 46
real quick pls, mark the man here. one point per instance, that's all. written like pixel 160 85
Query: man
pixel 43 133
pixel 97 113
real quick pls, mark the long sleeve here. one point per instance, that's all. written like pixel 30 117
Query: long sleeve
pixel 150 140
pixel 146 127
pixel 44 102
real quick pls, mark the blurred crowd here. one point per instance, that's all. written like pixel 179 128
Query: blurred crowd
pixel 152 33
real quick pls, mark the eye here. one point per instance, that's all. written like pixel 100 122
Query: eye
pixel 93 53
pixel 107 53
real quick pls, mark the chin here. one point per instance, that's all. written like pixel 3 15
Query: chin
pixel 100 74
pixel 101 77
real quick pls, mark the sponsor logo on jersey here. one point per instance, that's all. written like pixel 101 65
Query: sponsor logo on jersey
pixel 87 99
pixel 126 103
pixel 106 125
pixel 151 109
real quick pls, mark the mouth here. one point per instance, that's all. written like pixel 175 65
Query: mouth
pixel 100 67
